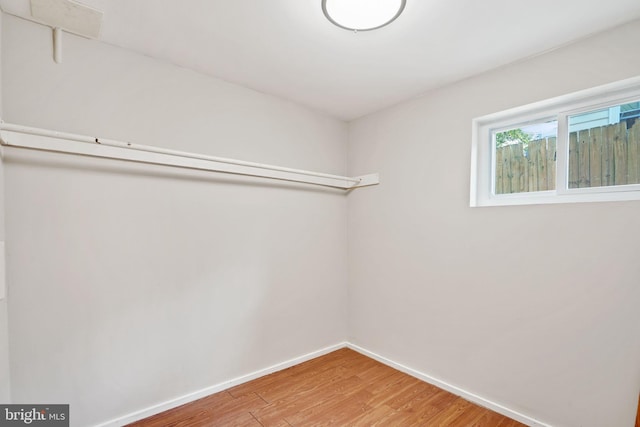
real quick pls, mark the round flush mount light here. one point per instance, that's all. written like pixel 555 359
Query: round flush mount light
pixel 362 15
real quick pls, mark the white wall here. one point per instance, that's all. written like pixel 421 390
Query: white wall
pixel 131 284
pixel 4 325
pixel 533 307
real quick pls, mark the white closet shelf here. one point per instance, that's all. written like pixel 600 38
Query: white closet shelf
pixel 12 135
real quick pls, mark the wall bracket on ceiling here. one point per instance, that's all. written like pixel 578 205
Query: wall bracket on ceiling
pixel 69 16
pixel 18 136
pixel 57 44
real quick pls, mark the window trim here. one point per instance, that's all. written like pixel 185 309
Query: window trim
pixel 482 192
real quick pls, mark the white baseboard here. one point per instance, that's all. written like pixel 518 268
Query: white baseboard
pixel 170 404
pixel 173 403
pixel 496 407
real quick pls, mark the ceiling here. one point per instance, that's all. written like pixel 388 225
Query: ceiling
pixel 288 48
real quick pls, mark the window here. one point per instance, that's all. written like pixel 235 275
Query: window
pixel 604 152
pixel 575 148
pixel 525 158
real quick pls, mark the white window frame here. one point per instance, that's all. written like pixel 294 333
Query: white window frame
pixel 560 108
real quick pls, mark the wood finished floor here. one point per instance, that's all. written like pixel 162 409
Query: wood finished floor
pixel 342 388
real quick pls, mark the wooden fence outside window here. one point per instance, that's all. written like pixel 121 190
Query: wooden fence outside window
pixel 602 156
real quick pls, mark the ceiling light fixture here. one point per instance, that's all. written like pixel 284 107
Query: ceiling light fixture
pixel 362 15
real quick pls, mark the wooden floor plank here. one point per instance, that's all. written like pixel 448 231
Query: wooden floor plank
pixel 295 385
pixel 397 392
pixel 374 417
pixel 330 411
pixel 327 361
pixel 342 388
pixel 487 419
pixel 470 415
pixel 426 406
pixel 234 420
pixel 296 403
pixel 413 396
pixel 451 413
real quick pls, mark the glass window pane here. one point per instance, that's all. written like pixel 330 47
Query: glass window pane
pixel 526 158
pixel 604 147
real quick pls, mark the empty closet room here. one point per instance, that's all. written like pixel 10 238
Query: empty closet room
pixel 138 281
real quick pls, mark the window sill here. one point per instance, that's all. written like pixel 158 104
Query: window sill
pixel 577 195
